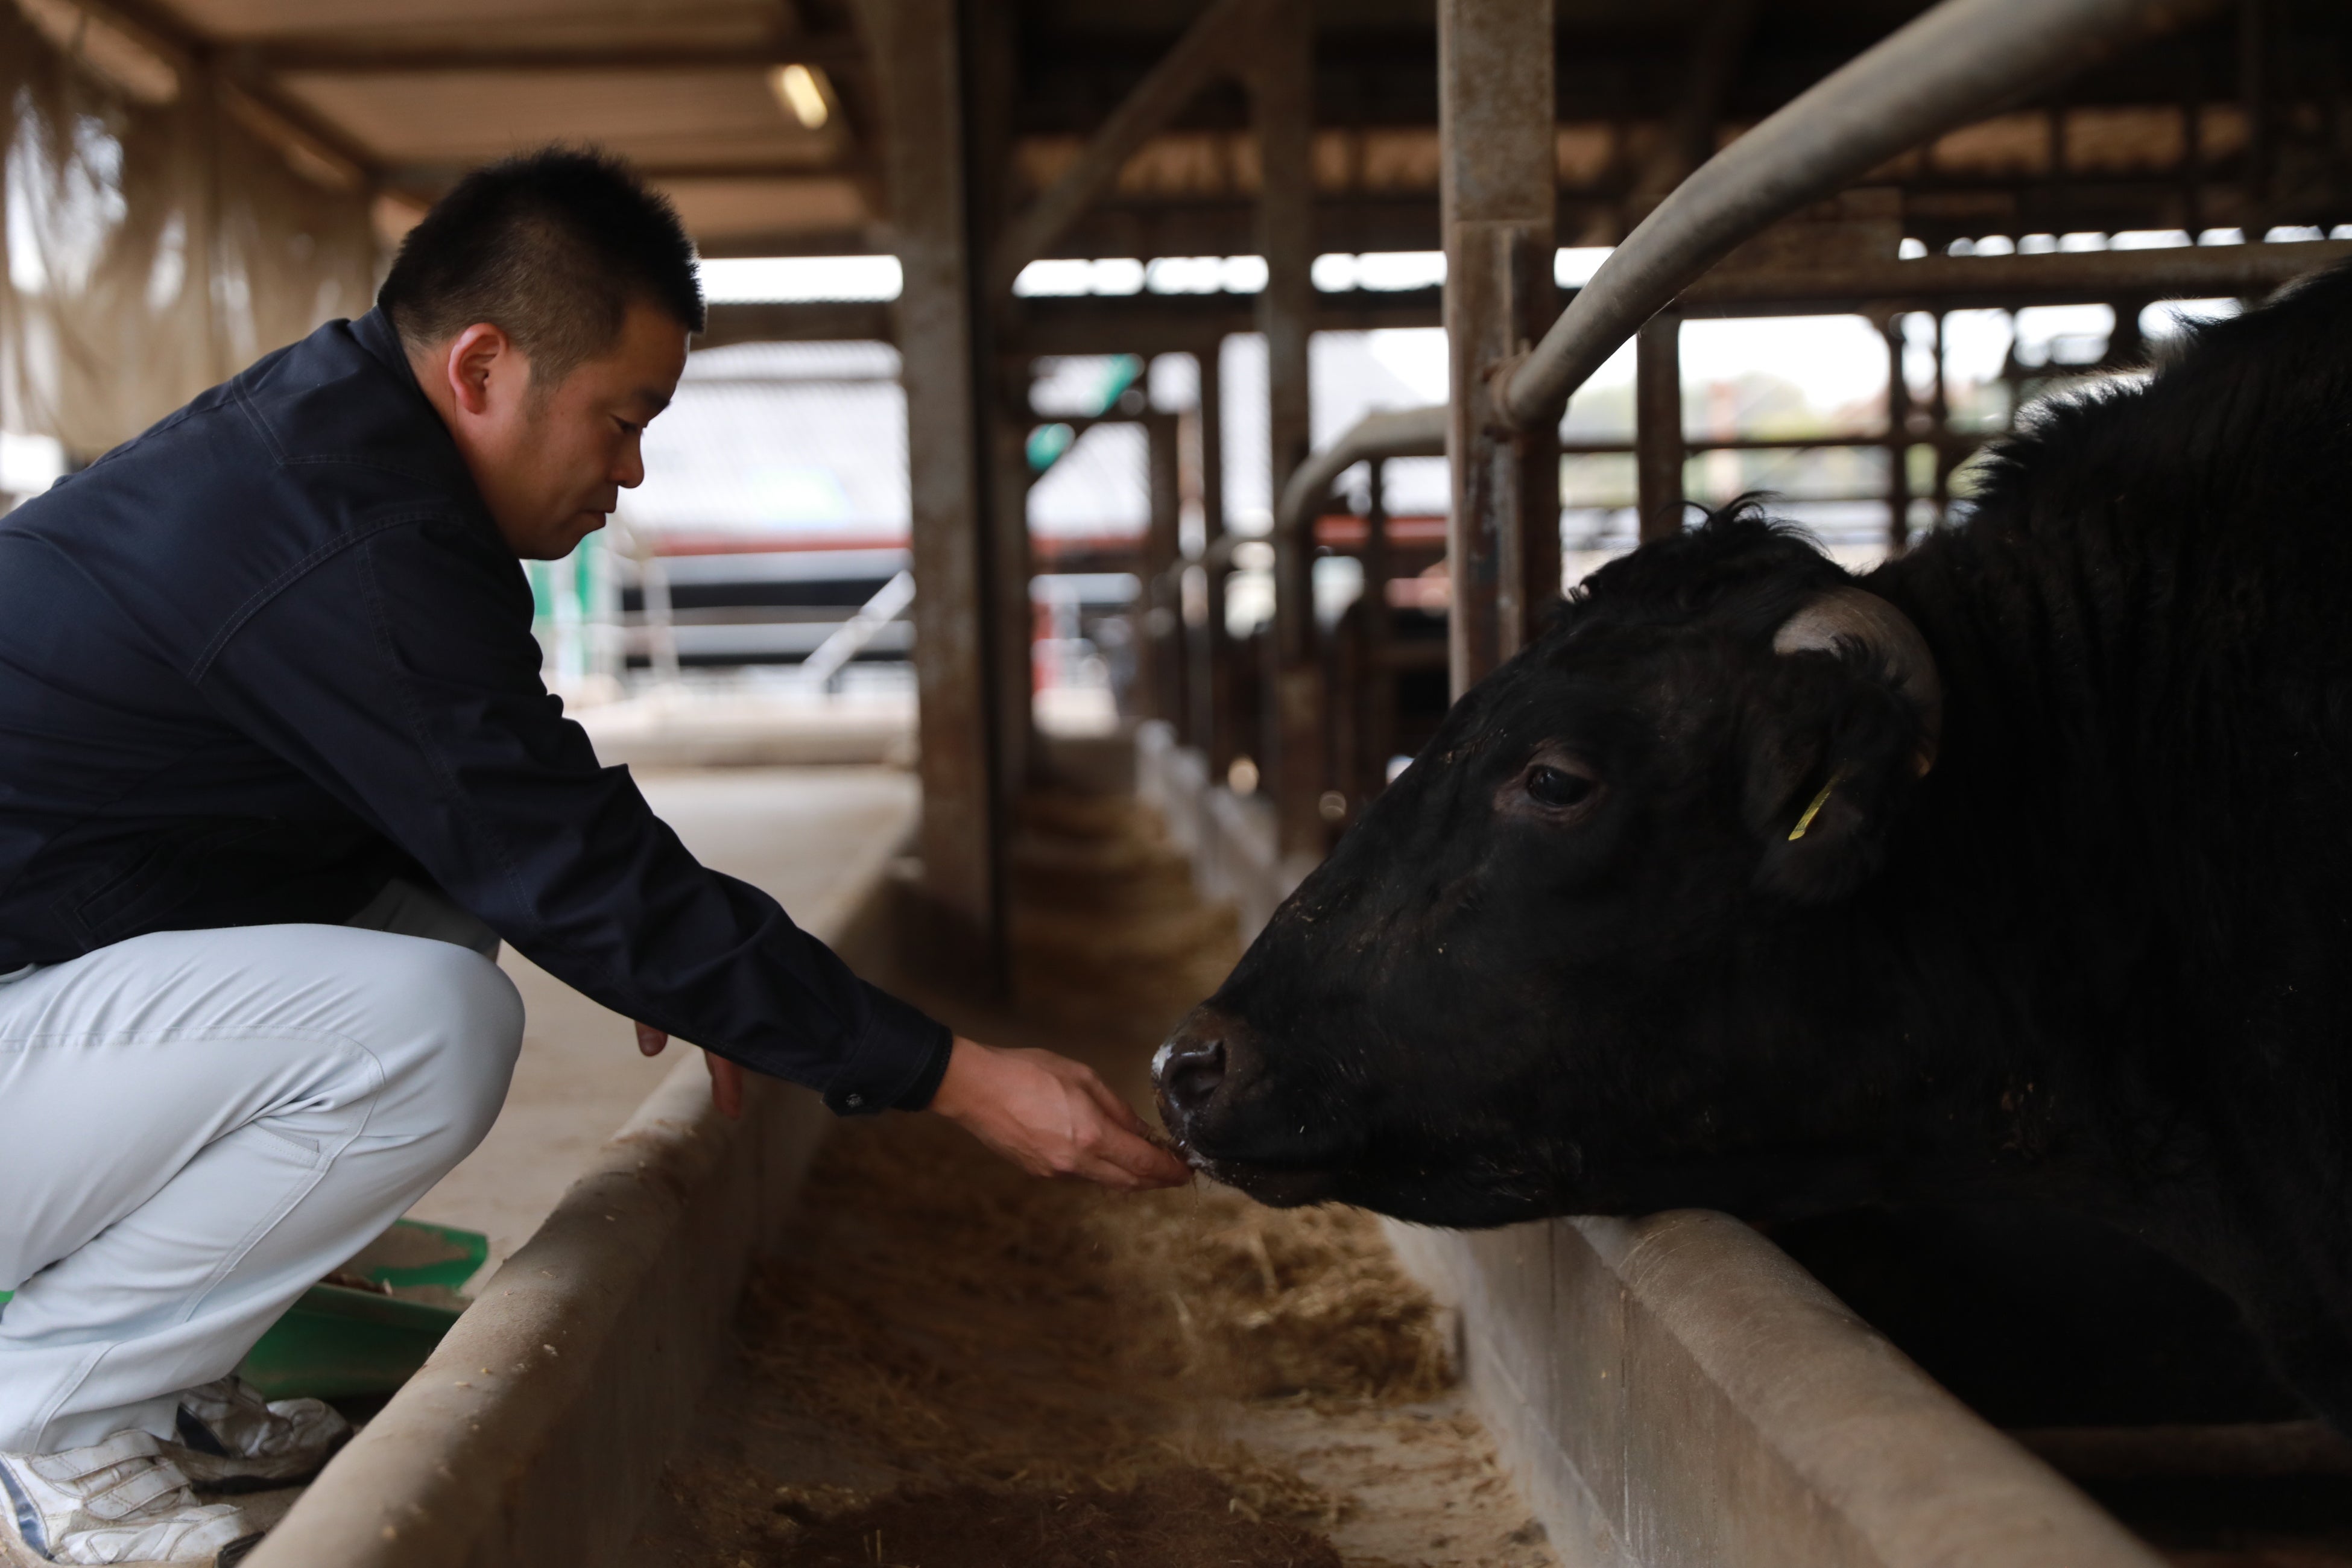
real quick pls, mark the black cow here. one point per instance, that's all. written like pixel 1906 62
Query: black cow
pixel 2020 867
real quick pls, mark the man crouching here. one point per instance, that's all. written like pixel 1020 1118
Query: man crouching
pixel 278 773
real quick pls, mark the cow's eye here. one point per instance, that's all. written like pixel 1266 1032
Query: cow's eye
pixel 1557 788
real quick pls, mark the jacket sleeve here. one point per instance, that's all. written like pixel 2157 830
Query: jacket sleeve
pixel 401 674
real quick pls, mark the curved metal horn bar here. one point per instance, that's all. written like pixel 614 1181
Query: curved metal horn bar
pixel 1396 433
pixel 1837 616
pixel 1952 65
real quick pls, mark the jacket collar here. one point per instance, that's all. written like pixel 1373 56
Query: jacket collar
pixel 377 335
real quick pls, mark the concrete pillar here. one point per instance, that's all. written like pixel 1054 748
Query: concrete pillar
pixel 1282 84
pixel 918 47
pixel 1658 427
pixel 1496 186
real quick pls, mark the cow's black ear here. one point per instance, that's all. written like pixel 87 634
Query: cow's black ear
pixel 1833 750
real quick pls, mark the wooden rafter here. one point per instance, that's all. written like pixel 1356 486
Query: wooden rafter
pixel 1211 46
pixel 353 56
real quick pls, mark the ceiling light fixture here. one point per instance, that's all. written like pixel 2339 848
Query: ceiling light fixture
pixel 802 92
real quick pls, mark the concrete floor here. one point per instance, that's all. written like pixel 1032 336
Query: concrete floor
pixel 811 835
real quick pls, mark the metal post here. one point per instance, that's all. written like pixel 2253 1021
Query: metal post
pixel 1689 139
pixel 1192 595
pixel 918 47
pixel 1941 414
pixel 1010 620
pixel 2193 151
pixel 1378 689
pixel 1658 427
pixel 1283 94
pixel 1212 702
pixel 1159 644
pixel 2127 344
pixel 2254 90
pixel 1496 197
pixel 992 84
pixel 1898 440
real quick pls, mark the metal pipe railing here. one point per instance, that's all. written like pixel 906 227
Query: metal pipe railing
pixel 1949 67
pixel 1392 433
pixel 831 657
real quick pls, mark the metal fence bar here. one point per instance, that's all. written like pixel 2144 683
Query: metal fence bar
pixel 1392 433
pixel 1950 66
pixel 832 655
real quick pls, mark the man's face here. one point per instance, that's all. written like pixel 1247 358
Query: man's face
pixel 550 462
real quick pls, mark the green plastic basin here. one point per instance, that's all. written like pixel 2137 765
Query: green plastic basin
pixel 336 1342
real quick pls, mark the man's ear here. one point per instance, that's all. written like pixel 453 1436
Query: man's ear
pixel 1833 750
pixel 471 361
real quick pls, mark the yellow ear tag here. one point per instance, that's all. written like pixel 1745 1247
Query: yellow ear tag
pixel 1815 810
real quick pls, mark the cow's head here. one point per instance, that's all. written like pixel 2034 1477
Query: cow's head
pixel 1545 972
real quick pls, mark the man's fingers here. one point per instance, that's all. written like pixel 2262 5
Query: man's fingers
pixel 1162 1173
pixel 726 1077
pixel 1118 1109
pixel 1123 1158
pixel 1114 1149
pixel 1052 1117
pixel 726 1086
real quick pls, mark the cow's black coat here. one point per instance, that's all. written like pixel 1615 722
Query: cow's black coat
pixel 2100 955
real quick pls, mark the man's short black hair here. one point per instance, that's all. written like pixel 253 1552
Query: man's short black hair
pixel 549 247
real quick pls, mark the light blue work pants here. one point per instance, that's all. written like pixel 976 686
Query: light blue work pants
pixel 195 1126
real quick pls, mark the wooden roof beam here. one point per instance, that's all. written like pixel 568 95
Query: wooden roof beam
pixel 358 57
pixel 1689 139
pixel 1214 45
pixel 317 150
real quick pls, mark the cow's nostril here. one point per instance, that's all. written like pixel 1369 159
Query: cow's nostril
pixel 1190 1072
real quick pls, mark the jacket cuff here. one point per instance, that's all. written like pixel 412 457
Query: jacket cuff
pixel 919 1093
pixel 896 1064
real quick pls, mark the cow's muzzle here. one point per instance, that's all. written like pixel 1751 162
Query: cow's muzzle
pixel 1193 1066
pixel 1187 1073
pixel 1214 1095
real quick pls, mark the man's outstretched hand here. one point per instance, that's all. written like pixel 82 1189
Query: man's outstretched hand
pixel 1047 1114
pixel 726 1078
pixel 1052 1117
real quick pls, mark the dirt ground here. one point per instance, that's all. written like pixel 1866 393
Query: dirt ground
pixel 955 1366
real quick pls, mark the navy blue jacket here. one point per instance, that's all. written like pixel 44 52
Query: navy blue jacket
pixel 274 652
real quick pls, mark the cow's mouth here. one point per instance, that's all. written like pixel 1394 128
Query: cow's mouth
pixel 1277 1186
pixel 1262 1173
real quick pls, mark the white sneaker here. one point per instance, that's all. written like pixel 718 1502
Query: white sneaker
pixel 232 1439
pixel 118 1502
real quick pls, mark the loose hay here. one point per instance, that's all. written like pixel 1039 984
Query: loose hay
pixel 1273 1302
pixel 1064 1352
pixel 975 1328
pixel 1029 1374
pixel 1174 1519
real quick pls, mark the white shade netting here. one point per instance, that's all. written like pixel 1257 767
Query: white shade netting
pixel 154 244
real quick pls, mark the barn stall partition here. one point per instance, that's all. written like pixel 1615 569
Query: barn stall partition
pixel 1678 1389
